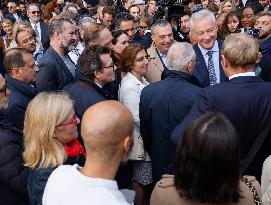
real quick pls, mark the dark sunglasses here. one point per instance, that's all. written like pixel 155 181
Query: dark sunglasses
pixel 35 12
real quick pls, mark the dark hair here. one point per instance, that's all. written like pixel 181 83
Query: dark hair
pixel 57 25
pixel 256 7
pixel 127 58
pixel 14 58
pixel 108 10
pixel 207 161
pixel 116 34
pixel 224 31
pixel 90 60
pixel 121 17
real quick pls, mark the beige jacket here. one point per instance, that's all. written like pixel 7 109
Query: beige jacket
pixel 165 193
pixel 155 67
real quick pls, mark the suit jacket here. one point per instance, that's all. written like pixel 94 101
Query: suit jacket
pixel 53 74
pixel 163 105
pixel 44 35
pixel 246 101
pixel 265 63
pixel 155 66
pixel 201 72
pixel 11 17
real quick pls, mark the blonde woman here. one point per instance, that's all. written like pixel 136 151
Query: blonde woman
pixel 50 132
pixel 7 26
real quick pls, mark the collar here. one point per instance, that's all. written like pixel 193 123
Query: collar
pixel 161 54
pixel 174 74
pixel 242 74
pixel 37 24
pixel 98 84
pixel 131 76
pixel 204 51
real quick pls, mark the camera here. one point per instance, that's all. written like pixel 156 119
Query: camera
pixel 251 31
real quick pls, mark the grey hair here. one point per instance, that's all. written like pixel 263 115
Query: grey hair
pixel 32 4
pixel 159 22
pixel 57 25
pixel 83 22
pixel 180 55
pixel 200 15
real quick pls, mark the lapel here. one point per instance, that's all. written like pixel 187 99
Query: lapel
pixel 61 64
pixel 201 66
pixel 42 32
pixel 155 58
pixel 223 77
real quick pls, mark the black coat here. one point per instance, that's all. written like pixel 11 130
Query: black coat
pixel 246 101
pixel 13 175
pixel 53 74
pixel 163 105
pixel 20 95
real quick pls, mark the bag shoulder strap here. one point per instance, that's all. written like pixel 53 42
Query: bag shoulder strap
pixel 255 148
pixel 255 194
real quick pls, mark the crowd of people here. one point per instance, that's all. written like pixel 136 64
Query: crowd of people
pixel 135 102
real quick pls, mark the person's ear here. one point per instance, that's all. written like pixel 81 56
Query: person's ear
pixel 225 65
pixel 190 67
pixel 16 72
pixel 128 143
pixel 259 57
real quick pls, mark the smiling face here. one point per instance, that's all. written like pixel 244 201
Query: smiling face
pixel 7 27
pixel 233 23
pixel 205 35
pixel 227 7
pixel 163 38
pixel 141 64
pixel 34 13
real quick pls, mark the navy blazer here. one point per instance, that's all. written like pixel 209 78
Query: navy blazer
pixel 200 70
pixel 246 101
pixel 53 74
pixel 163 105
pixel 44 35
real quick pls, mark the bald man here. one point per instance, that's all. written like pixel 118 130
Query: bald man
pixel 106 129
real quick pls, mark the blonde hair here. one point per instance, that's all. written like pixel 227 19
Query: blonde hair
pixel 43 114
pixel 240 49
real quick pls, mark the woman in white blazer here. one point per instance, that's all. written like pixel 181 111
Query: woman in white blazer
pixel 134 61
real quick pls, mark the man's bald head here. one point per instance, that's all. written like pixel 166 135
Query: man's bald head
pixel 105 128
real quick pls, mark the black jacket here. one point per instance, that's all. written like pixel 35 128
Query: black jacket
pixel 265 64
pixel 13 175
pixel 20 95
pixel 163 105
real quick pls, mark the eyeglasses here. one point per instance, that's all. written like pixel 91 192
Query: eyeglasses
pixel 35 12
pixel 73 121
pixel 111 66
pixel 142 27
pixel 147 57
pixel 10 7
pixel 31 38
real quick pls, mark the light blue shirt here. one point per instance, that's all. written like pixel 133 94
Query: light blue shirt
pixel 163 57
pixel 215 54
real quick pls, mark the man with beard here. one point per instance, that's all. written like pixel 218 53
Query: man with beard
pixel 263 23
pixel 40 28
pixel 56 68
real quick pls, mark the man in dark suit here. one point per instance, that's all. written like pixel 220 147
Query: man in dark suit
pixel 245 99
pixel 165 103
pixel 56 68
pixel 41 29
pixel 208 69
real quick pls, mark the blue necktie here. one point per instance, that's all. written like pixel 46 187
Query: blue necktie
pixel 211 69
